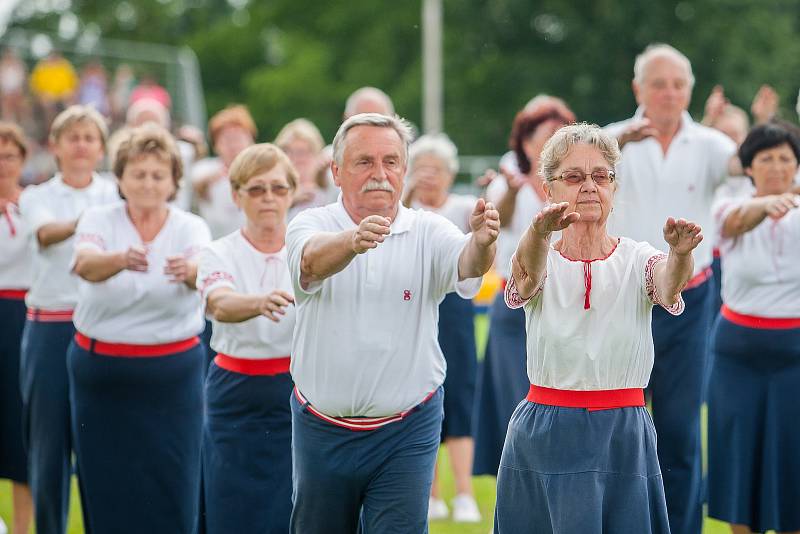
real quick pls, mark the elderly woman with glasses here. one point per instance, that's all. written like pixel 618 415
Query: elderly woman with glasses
pixel 580 453
pixel 245 283
pixel 753 466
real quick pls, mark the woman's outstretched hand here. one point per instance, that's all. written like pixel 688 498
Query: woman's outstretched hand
pixel 682 236
pixel 554 218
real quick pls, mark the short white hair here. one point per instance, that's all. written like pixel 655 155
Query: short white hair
pixel 558 146
pixel 437 145
pixel 399 125
pixel 660 50
pixel 372 93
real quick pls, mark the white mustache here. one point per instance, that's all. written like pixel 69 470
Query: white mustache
pixel 378 185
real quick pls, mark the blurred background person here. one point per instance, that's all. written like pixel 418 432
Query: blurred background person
pixel 519 196
pixel 136 364
pixel 50 212
pixel 15 279
pixel 13 75
pixel 231 131
pixel 245 283
pixel 368 100
pixel 303 143
pixel 754 470
pixel 53 83
pixel 93 88
pixel 432 168
pixel 120 93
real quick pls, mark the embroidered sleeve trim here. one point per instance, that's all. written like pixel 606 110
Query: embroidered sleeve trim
pixel 512 297
pixel 652 291
pixel 215 278
pixel 93 239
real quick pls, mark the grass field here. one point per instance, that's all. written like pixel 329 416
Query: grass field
pixel 484 487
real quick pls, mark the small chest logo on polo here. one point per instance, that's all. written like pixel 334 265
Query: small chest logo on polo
pixel 406 294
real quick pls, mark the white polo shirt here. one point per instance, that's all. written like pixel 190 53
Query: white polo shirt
pixel 144 308
pixel 219 211
pixel 654 186
pixel 457 209
pixel 761 268
pixel 16 257
pixel 366 343
pixel 54 287
pixel 235 263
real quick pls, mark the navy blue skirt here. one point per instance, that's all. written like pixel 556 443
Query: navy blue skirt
pixel 569 470
pixel 13 459
pixel 247 452
pixel 137 433
pixel 502 383
pixel 457 340
pixel 753 435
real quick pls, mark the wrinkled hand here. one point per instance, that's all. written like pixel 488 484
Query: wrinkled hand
pixel 715 105
pixel 274 305
pixel 637 132
pixel 682 236
pixel 554 218
pixel 177 268
pixel 765 104
pixel 777 206
pixel 371 231
pixel 136 259
pixel 484 223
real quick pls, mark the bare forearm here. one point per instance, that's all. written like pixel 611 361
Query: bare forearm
pixel 671 278
pixel 745 217
pixel 55 232
pixel 325 255
pixel 96 266
pixel 191 275
pixel 232 307
pixel 475 260
pixel 529 263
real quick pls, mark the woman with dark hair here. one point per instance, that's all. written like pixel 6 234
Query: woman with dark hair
pixel 752 407
pixel 519 196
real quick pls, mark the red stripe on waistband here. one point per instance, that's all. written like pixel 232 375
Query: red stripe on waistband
pixel 49 316
pixel 246 366
pixel 753 321
pixel 359 423
pixel 593 400
pixel 13 294
pixel 699 278
pixel 134 351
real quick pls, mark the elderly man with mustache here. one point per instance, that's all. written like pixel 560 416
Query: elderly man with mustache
pixel 368 277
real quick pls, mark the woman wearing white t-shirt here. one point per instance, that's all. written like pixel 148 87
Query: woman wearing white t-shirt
pixel 518 196
pixel 753 470
pixel 136 363
pixel 580 453
pixel 245 283
pixel 50 213
pixel 432 167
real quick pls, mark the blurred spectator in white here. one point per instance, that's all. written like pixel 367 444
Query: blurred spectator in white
pixel 303 143
pixel 13 74
pixel 368 100
pixel 93 89
pixel 121 89
pixel 149 88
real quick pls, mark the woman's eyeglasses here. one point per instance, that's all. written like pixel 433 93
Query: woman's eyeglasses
pixel 256 191
pixel 574 177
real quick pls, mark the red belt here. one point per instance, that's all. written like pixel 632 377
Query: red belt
pixel 49 316
pixel 134 351
pixel 753 321
pixel 13 294
pixel 593 400
pixel 360 423
pixel 699 278
pixel 246 366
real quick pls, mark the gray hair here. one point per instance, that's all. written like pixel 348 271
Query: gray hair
pixel 660 50
pixel 438 145
pixel 399 125
pixel 372 93
pixel 558 146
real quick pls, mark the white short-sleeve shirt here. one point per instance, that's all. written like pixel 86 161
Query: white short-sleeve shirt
pixel 16 256
pixel 654 186
pixel 144 308
pixel 610 344
pixel 233 262
pixel 54 287
pixel 366 342
pixel 761 268
pixel 457 209
pixel 219 211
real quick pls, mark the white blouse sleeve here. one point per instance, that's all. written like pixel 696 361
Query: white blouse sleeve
pixel 213 272
pixel 511 294
pixel 92 230
pixel 655 257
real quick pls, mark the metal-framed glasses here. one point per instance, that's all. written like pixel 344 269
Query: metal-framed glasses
pixel 256 191
pixel 576 177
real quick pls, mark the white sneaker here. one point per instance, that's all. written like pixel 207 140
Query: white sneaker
pixel 465 509
pixel 437 509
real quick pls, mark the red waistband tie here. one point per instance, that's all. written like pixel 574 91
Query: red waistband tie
pixel 49 316
pixel 754 321
pixel 253 367
pixel 13 294
pixel 594 400
pixel 130 350
pixel 587 283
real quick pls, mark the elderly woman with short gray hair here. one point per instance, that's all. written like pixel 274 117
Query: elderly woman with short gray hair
pixel 580 453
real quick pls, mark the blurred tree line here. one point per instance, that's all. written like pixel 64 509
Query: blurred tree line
pixel 292 58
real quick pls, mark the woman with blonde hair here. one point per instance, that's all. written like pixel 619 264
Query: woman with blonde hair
pixel 302 142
